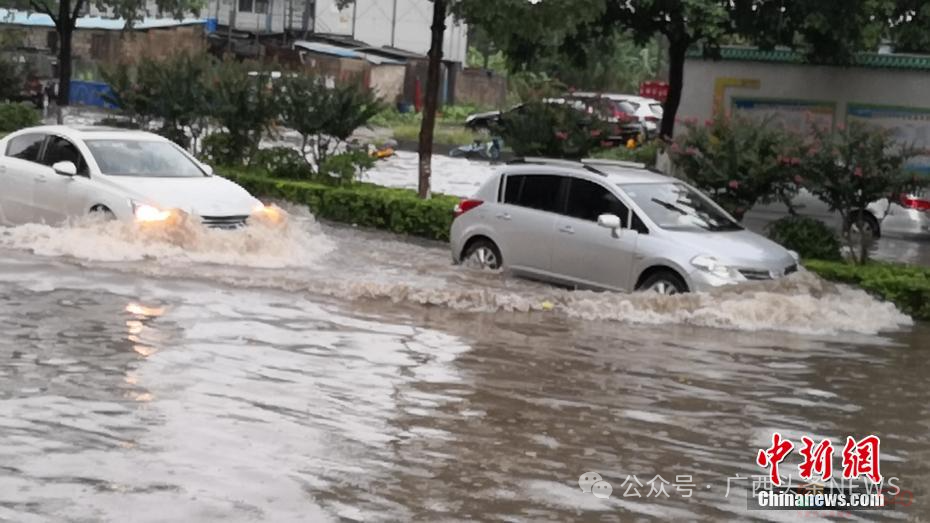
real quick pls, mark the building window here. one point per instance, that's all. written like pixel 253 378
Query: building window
pixel 253 6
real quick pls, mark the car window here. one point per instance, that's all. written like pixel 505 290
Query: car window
pixel 588 200
pixel 25 147
pixel 536 191
pixel 656 109
pixel 59 149
pixel 628 107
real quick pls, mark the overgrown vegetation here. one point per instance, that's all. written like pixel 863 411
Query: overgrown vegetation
pixel 908 287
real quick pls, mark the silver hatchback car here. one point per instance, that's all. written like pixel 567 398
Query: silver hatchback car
pixel 609 226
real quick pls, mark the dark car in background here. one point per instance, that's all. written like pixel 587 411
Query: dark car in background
pixel 625 127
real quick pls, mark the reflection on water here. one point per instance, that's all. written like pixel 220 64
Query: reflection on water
pixel 255 404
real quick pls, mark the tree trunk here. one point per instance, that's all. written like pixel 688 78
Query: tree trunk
pixel 65 27
pixel 431 104
pixel 676 80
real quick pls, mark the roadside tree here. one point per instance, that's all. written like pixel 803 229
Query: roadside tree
pixel 850 168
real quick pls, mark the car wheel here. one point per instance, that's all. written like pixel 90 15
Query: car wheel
pixel 663 282
pixel 483 254
pixel 870 226
pixel 102 211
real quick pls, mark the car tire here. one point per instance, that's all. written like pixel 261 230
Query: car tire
pixel 870 225
pixel 102 210
pixel 663 282
pixel 483 254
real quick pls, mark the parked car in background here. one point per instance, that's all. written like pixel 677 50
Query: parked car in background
pixel 609 226
pixel 50 174
pixel 646 111
pixel 625 128
pixel 907 217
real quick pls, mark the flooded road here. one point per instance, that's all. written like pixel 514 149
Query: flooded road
pixel 323 374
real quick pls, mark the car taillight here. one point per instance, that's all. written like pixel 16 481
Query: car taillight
pixel 652 118
pixel 464 206
pixel 914 202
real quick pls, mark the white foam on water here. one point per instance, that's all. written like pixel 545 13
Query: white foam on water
pixel 355 267
pixel 297 242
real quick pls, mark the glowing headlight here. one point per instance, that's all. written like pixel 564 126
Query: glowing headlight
pixel 713 266
pixel 269 213
pixel 147 213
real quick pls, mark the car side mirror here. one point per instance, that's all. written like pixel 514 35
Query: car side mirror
pixel 208 169
pixel 65 168
pixel 609 221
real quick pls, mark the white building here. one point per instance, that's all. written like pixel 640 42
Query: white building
pixel 404 24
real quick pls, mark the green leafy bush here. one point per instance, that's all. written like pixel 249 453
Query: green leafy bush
pixel 282 162
pixel 908 287
pixel 737 161
pixel 246 103
pixel 555 131
pixel 172 90
pixel 345 168
pixel 15 116
pixel 325 116
pixel 810 238
pixel 366 205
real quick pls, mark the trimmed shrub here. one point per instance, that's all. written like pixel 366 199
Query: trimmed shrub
pixel 810 238
pixel 908 287
pixel 15 116
pixel 366 205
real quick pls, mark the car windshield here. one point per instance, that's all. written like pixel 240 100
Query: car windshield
pixel 675 206
pixel 142 158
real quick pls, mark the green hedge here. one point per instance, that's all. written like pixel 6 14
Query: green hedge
pixel 908 287
pixel 363 204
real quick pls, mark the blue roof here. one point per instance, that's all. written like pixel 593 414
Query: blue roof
pixel 14 17
pixel 342 52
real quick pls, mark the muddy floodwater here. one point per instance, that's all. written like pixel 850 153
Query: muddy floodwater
pixel 319 373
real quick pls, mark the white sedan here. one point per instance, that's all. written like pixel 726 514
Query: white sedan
pixel 53 173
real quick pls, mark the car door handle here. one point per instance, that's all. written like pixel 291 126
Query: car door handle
pixel 41 179
pixel 567 229
pixel 504 216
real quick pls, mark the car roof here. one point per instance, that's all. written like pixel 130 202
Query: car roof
pixel 613 172
pixel 618 97
pixel 91 132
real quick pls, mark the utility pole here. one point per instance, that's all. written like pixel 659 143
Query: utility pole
pixel 394 25
pixel 354 14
